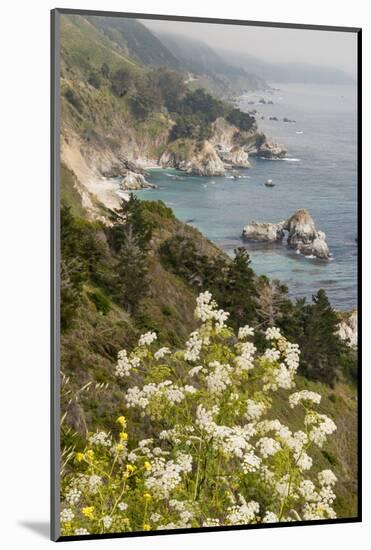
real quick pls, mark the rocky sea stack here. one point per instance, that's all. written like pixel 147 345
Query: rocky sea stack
pixel 133 181
pixel 300 230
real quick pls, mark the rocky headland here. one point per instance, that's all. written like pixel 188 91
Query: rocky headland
pixel 297 232
pixel 227 148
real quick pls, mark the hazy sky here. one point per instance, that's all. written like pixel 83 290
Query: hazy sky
pixel 323 48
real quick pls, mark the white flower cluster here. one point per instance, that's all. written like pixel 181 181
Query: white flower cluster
pixel 125 364
pixel 219 378
pixel 232 440
pixel 327 477
pixel 165 475
pixel 195 370
pixel 272 354
pixel 294 441
pixel 254 409
pixel 66 515
pixel 73 495
pixel 94 482
pixel 244 332
pixel 147 339
pixel 318 504
pixel 273 333
pixel 270 517
pixel 322 426
pixel 225 417
pixel 81 531
pixel 283 376
pixel 211 522
pixel 268 446
pixel 251 462
pixel 184 510
pixel 245 359
pixel 159 354
pixel 243 513
pixel 304 395
pixel 193 347
pixel 100 438
pixel 142 398
pixel 107 521
pixel 206 310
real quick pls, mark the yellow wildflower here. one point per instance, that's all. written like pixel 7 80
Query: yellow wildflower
pixel 80 457
pixel 146 527
pixel 147 465
pixel 129 470
pixel 122 421
pixel 147 497
pixel 88 512
pixel 90 454
pixel 124 436
pixel 119 447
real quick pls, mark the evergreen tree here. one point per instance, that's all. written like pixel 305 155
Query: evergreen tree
pixel 239 290
pixel 322 349
pixel 129 237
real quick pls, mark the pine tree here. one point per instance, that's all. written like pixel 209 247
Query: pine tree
pixel 239 292
pixel 321 347
pixel 129 237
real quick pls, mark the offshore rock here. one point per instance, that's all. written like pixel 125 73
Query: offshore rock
pixel 133 181
pixel 270 150
pixel 300 230
pixel 304 237
pixel 263 232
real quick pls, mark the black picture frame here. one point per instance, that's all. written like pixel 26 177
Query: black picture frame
pixel 55 262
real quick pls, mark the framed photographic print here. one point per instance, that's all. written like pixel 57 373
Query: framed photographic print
pixel 205 274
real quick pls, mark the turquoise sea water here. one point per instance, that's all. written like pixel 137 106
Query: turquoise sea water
pixel 320 173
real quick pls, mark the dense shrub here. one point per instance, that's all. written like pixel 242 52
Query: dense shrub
pixel 242 120
pixel 210 452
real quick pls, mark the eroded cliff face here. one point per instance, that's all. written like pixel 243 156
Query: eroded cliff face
pixel 194 160
pixel 348 329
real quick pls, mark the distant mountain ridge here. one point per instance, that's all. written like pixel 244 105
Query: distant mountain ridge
pixel 287 72
pixel 200 59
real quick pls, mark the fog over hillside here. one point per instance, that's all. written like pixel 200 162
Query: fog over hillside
pixel 275 54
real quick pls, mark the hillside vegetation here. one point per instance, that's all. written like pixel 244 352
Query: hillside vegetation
pixel 131 272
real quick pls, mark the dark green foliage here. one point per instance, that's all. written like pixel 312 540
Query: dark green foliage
pixel 192 127
pixel 329 457
pixel 95 80
pixel 315 328
pixel 154 211
pixel 121 82
pixel 74 100
pixel 130 218
pixel 145 98
pixel 171 87
pixel 205 105
pixel 232 283
pixel 129 237
pixel 238 290
pixel 196 112
pixel 242 120
pixel 105 70
pixel 102 303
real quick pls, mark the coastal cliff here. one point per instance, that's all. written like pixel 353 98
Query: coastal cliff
pixel 121 115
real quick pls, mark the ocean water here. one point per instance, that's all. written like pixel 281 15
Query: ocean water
pixel 320 174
